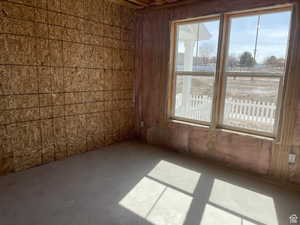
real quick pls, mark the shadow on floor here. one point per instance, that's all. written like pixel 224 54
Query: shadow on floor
pixel 132 183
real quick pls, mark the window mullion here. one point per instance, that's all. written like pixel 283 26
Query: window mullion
pixel 254 75
pixel 195 74
pixel 219 79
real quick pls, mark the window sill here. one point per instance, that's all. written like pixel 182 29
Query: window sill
pixel 195 125
pixel 176 121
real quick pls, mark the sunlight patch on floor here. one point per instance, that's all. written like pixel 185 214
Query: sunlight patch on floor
pixel 165 196
pixel 171 208
pixel 245 202
pixel 157 198
pixel 143 196
pixel 216 216
pixel 176 176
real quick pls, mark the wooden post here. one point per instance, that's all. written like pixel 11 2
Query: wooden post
pixel 187 80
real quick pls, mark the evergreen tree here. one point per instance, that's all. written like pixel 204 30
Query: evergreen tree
pixel 247 60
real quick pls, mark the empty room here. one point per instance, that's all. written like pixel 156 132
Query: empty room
pixel 149 112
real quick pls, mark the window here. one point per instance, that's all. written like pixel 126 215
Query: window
pixel 229 70
pixel 196 58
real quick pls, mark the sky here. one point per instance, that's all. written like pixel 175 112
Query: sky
pixel 272 36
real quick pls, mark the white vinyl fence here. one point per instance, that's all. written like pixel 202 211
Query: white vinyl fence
pixel 236 110
pixel 247 110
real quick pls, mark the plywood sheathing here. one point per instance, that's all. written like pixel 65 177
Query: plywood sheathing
pixel 263 156
pixel 66 79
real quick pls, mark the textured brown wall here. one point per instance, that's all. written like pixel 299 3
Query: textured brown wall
pixel 66 79
pixel 262 156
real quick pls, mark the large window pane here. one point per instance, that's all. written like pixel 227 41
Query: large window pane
pixel 255 68
pixel 250 103
pixel 258 43
pixel 194 101
pixel 197 45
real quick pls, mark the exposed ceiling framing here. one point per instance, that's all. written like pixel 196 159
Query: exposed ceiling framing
pixel 147 3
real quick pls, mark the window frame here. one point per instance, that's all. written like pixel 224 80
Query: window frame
pixel 174 32
pixel 218 102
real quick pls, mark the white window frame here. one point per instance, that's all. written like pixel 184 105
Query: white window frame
pixel 218 103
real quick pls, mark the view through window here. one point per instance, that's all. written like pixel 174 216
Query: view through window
pixel 196 59
pixel 251 83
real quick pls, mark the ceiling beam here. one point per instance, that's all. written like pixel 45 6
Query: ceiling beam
pixel 153 4
pixel 140 2
pixel 171 4
pixel 128 4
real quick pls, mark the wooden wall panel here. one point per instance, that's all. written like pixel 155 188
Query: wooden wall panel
pixel 66 79
pixel 245 152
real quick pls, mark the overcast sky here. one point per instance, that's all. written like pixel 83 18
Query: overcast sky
pixel 272 36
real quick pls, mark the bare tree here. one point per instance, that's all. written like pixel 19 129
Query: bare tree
pixel 271 61
pixel 232 61
pixel 275 62
pixel 205 51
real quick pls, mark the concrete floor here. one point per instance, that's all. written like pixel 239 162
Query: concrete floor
pixel 132 183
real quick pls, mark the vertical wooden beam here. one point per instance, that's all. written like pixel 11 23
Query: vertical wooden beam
pixel 281 148
pixel 138 73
